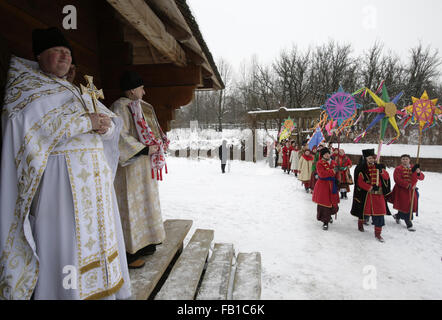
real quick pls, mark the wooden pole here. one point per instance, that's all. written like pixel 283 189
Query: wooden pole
pixel 417 162
pixel 419 146
pixel 378 161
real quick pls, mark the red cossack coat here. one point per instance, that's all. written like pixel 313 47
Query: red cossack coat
pixel 285 157
pixel 401 195
pixel 343 162
pixel 322 194
pixel 375 203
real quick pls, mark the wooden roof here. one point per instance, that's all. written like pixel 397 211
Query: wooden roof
pixel 160 39
pixel 165 31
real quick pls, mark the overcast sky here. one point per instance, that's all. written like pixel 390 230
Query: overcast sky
pixel 238 29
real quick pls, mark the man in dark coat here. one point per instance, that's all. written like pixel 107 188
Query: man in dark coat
pixel 372 185
pixel 222 150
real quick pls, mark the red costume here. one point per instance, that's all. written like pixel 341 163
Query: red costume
pixel 344 164
pixel 322 195
pixel 405 179
pixel 285 158
pixel 375 202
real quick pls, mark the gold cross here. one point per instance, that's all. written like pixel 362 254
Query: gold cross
pixel 91 90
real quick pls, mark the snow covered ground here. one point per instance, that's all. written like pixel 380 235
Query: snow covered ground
pixel 258 208
pixel 209 139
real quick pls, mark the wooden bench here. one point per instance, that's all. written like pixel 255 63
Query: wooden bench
pixel 184 278
pixel 145 279
pixel 215 284
pixel 172 273
pixel 247 283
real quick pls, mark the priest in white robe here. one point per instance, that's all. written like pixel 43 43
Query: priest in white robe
pixel 60 230
pixel 136 182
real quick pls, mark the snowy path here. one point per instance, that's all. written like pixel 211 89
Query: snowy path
pixel 258 208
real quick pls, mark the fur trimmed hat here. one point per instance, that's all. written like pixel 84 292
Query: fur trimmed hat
pixel 130 80
pixel 368 152
pixel 43 39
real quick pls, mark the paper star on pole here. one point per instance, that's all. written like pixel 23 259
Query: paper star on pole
pixel 387 112
pixel 340 108
pixel 423 110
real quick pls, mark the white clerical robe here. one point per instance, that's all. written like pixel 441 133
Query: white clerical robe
pixel 137 192
pixel 60 230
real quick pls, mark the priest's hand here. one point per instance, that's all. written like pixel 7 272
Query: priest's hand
pixel 100 122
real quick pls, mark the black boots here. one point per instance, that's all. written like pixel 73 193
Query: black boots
pixel 361 225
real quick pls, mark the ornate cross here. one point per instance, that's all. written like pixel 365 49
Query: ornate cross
pixel 91 90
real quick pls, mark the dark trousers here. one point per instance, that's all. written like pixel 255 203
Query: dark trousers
pixel 406 217
pixel 223 168
pixel 324 214
pixel 377 221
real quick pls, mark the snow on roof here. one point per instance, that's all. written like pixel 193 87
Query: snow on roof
pixel 285 109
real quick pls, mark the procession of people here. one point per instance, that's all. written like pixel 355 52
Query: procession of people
pixel 102 165
pixel 326 173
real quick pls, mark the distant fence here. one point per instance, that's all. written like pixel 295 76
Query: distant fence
pixel 427 164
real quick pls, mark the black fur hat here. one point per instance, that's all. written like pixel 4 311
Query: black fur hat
pixel 130 80
pixel 324 151
pixel 43 39
pixel 368 152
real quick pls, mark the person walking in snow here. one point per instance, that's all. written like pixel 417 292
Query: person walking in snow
pixel 316 158
pixel 305 169
pixel 278 154
pixel 406 178
pixel 294 159
pixel 344 177
pixel 222 150
pixel 372 185
pixel 285 157
pixel 325 194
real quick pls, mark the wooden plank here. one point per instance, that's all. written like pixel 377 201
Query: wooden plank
pixel 142 18
pixel 50 13
pixel 247 283
pixel 216 280
pixel 144 280
pixel 171 14
pixel 185 275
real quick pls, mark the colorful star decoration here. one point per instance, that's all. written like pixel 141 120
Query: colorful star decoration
pixel 423 111
pixel 340 111
pixel 387 112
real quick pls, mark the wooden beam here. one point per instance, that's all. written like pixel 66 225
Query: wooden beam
pixel 171 15
pixel 167 75
pixel 143 19
pixel 172 97
pixel 159 75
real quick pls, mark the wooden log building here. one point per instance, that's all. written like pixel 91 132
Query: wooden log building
pixel 304 119
pixel 159 39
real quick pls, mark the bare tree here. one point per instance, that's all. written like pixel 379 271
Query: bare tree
pixel 422 70
pixel 225 71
